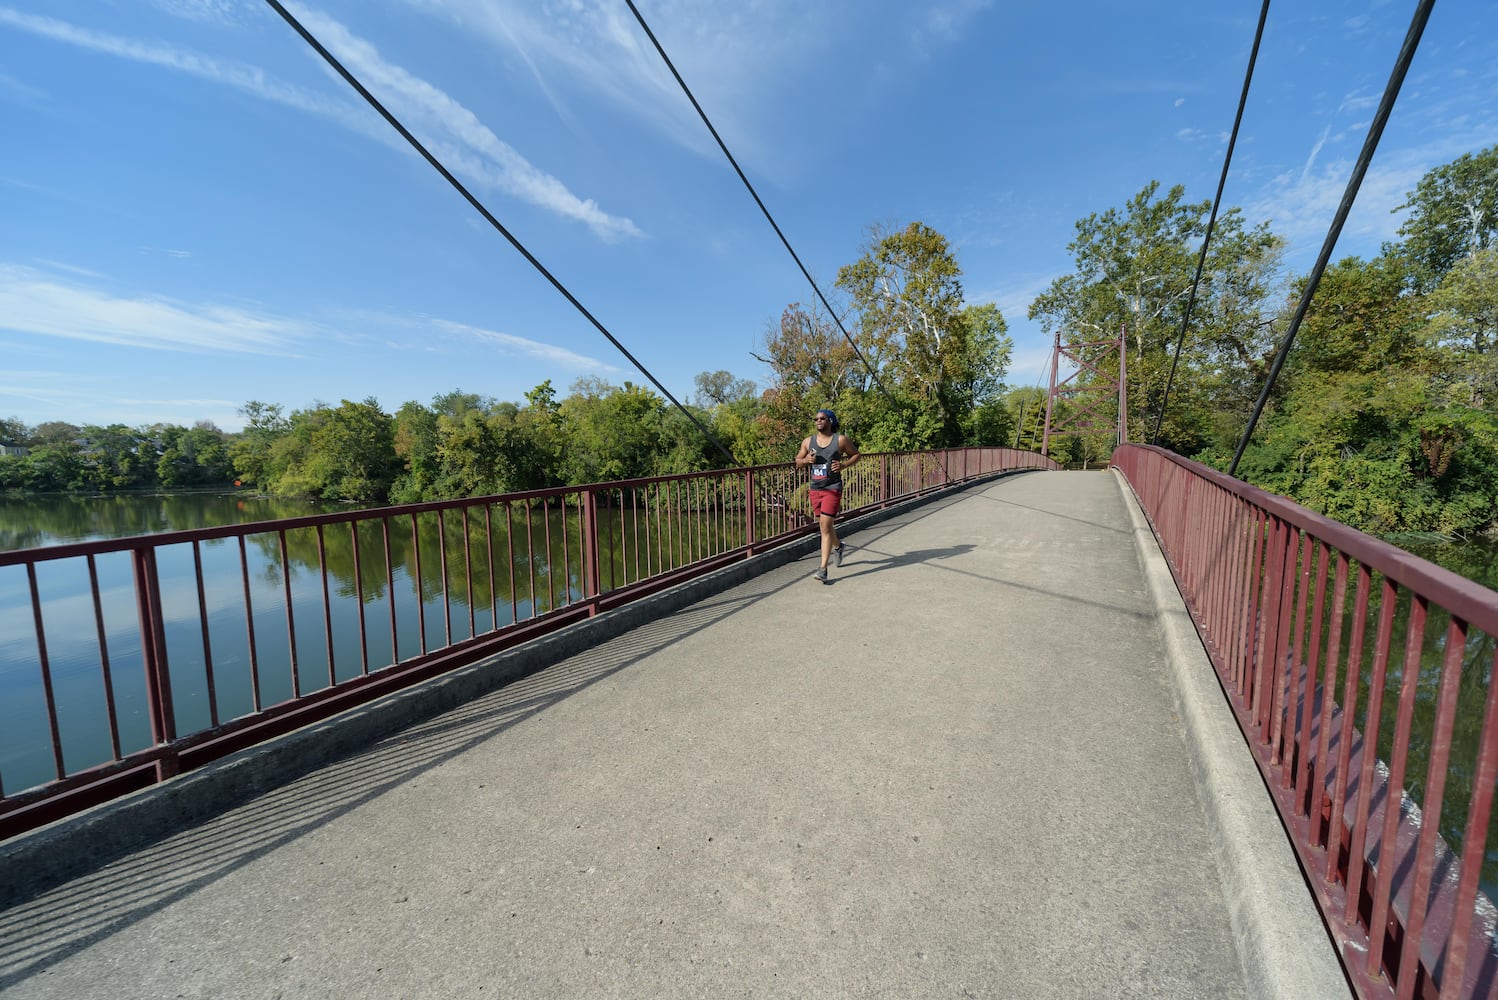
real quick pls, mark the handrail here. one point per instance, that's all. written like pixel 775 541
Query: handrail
pixel 1308 682
pixel 129 660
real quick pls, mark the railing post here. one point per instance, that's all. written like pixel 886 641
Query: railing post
pixel 153 656
pixel 749 508
pixel 591 574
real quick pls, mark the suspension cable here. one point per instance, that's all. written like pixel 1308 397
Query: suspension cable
pixel 1201 261
pixel 754 194
pixel 1370 143
pixel 873 374
pixel 479 207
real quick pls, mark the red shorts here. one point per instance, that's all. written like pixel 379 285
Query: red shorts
pixel 826 502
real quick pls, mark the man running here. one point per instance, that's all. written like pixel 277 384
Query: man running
pixel 828 453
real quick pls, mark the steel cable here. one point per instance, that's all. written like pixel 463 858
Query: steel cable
pixel 873 374
pixel 1370 143
pixel 488 216
pixel 1211 223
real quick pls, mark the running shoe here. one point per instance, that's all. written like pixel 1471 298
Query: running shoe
pixel 837 556
pixel 821 573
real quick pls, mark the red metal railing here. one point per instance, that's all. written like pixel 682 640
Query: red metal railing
pixel 124 662
pixel 1351 726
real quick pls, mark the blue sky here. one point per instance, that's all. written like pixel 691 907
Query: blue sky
pixel 195 212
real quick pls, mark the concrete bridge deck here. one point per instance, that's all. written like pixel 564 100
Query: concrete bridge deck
pixel 965 768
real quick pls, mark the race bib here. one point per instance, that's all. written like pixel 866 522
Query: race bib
pixel 819 470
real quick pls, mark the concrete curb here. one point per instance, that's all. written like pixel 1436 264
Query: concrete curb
pixel 1282 942
pixel 43 858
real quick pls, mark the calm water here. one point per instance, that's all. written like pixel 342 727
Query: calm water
pixel 34 521
pixel 426 585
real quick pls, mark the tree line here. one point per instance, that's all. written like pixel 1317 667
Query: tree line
pixel 1383 417
pixel 1385 414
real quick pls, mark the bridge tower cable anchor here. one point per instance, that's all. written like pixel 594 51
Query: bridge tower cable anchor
pixel 1092 381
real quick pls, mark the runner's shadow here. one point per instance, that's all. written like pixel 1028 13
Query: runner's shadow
pixel 857 564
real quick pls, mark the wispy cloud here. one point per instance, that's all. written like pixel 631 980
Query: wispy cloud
pixel 453 133
pixel 1300 207
pixel 946 21
pixel 598 51
pixel 220 11
pixel 474 148
pixel 14 90
pixel 248 79
pixel 82 398
pixel 1305 171
pixel 38 304
pixel 511 344
pixel 739 59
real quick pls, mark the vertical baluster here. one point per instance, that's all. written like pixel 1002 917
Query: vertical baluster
pixel 567 553
pixel 1363 597
pixel 1298 575
pixel 634 508
pixel 530 555
pixel 1356 866
pixel 1430 808
pixel 256 702
pixel 1317 552
pixel 327 604
pixel 197 568
pixel 661 521
pixel 551 578
pixel 353 530
pixel 1394 794
pixel 1321 828
pixel 296 676
pixel 447 597
pixel 153 653
pixel 489 551
pixel 107 673
pixel 59 768
pixel 510 560
pixel 1254 610
pixel 473 628
pixel 1474 843
pixel 421 600
pixel 395 649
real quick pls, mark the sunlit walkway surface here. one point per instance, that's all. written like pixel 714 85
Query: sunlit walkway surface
pixel 954 771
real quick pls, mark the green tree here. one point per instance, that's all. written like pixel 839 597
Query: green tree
pixel 1453 213
pixel 1133 277
pixel 342 453
pixel 117 457
pixel 265 424
pixel 907 289
pixel 721 387
pixel 415 441
pixel 191 456
pixel 812 365
pixel 612 432
pixel 1463 327
pixel 1373 426
pixel 979 381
